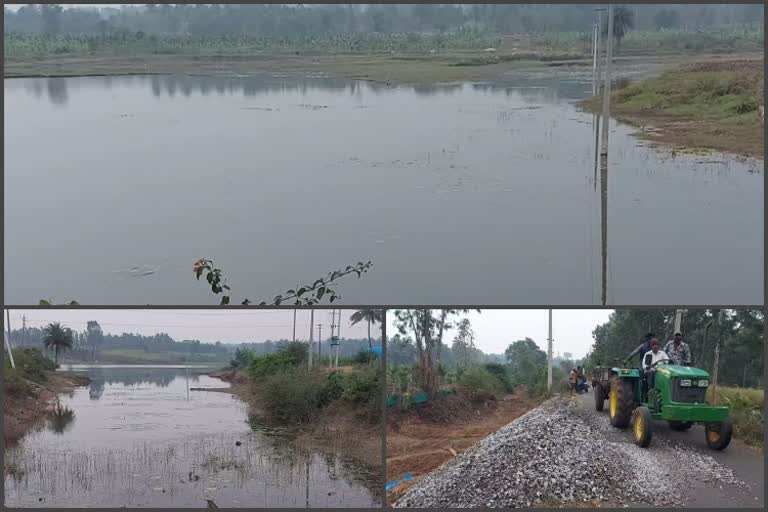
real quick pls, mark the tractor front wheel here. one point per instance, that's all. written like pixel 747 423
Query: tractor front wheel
pixel 599 397
pixel 641 426
pixel 621 402
pixel 680 425
pixel 719 434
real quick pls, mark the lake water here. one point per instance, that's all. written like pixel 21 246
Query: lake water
pixel 135 438
pixel 480 193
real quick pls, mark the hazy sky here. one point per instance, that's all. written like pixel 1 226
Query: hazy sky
pixel 204 325
pixel 496 329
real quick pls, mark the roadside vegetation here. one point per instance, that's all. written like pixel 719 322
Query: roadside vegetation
pixel 747 410
pixel 707 105
pixel 444 394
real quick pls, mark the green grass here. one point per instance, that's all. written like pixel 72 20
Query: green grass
pixel 31 366
pixel 712 105
pixel 747 405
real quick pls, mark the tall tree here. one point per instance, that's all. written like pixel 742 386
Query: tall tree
pixel 58 338
pixel 371 316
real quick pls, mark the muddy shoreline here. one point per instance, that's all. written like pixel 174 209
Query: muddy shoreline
pixel 23 414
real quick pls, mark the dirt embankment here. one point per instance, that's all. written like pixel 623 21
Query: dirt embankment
pixel 709 105
pixel 338 428
pixel 419 441
pixel 25 411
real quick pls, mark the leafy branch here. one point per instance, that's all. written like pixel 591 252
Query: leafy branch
pixel 300 295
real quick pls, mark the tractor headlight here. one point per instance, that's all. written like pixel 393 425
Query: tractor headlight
pixel 685 382
pixel 703 383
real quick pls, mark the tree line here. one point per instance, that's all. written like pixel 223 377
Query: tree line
pixel 281 20
pixel 738 334
pixel 93 340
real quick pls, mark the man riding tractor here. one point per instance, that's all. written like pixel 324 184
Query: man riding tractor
pixel 661 391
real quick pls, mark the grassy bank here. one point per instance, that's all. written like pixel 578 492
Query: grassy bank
pixel 31 390
pixel 339 410
pixel 747 405
pixel 706 105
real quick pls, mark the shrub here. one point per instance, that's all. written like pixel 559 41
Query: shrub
pixel 31 364
pixel 363 357
pixel 501 372
pixel 363 386
pixel 479 383
pixel 288 357
pixel 331 389
pixel 292 395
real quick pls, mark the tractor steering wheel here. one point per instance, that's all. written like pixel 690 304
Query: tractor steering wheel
pixel 657 362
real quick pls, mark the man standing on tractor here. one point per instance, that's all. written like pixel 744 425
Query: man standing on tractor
pixel 650 358
pixel 644 347
pixel 678 351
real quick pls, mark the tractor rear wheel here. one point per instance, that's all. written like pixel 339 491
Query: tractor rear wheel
pixel 719 434
pixel 680 425
pixel 621 402
pixel 599 397
pixel 641 426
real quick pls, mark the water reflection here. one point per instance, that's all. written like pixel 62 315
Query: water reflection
pixel 138 443
pixel 56 89
pixel 61 418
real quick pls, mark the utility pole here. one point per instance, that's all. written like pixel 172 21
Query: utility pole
pixel 717 358
pixel 549 354
pixel 319 343
pixel 595 43
pixel 23 329
pixel 8 337
pixel 678 320
pixel 338 340
pixel 294 325
pixel 333 325
pixel 311 331
pixel 607 88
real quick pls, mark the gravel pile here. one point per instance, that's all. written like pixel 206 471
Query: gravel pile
pixel 559 453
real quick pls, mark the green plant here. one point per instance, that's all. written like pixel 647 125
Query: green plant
pixel 292 395
pixel 300 295
pixel 288 356
pixel 479 383
pixel 501 372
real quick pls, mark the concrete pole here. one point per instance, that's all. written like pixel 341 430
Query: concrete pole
pixel 311 331
pixel 8 337
pixel 294 325
pixel 717 360
pixel 549 354
pixel 678 320
pixel 595 35
pixel 319 343
pixel 607 87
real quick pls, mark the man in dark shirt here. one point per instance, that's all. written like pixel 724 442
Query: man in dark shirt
pixel 644 347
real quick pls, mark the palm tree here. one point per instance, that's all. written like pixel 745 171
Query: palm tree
pixel 371 316
pixel 57 337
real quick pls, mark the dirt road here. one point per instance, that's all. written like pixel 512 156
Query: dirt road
pixel 564 453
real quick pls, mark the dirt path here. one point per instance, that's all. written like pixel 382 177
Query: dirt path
pixel 417 444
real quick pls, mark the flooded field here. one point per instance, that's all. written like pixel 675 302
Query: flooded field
pixel 137 438
pixel 483 193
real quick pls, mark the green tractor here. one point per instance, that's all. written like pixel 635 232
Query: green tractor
pixel 677 396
